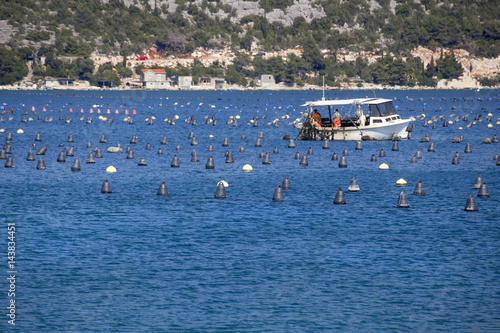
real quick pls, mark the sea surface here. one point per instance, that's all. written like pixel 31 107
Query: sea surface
pixel 133 261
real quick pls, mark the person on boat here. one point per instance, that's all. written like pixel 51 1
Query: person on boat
pixel 316 118
pixel 337 118
pixel 361 118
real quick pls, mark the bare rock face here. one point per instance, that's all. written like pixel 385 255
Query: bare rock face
pixel 6 31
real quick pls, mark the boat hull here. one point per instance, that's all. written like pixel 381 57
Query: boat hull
pixel 371 132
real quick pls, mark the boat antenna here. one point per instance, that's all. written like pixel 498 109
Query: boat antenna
pixel 374 94
pixel 323 88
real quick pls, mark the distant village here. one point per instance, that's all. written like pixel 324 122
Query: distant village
pixel 156 79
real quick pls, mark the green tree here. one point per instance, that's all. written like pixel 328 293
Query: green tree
pixel 12 67
pixel 449 67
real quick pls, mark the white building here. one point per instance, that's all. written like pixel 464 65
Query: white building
pixel 185 82
pixel 266 81
pixel 154 79
pixel 212 83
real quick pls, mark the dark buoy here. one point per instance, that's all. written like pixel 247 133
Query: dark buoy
pixel 133 140
pixel 395 146
pixel 419 188
pixel 266 159
pixel 3 154
pixel 159 151
pixel 468 148
pixel 326 144
pixel 278 194
pixel 175 162
pixel 242 149
pixel 130 154
pixel 225 142
pixel 164 140
pixel 358 146
pixel 106 188
pixel 494 139
pixel 9 163
pixel 286 184
pixel 310 151
pixel 194 156
pixel 335 157
pixel 339 197
pixel 478 182
pixel 40 164
pixel 40 151
pixel 220 192
pixel 483 191
pixel 258 142
pixel 38 137
pixel 345 152
pixel 70 138
pixel 194 142
pixel 243 136
pixel 445 124
pixel 9 136
pixel 381 153
pixel 403 200
pixel 210 147
pixel 178 147
pixel 261 154
pixel 148 146
pixel 291 143
pixel 210 163
pixel 89 144
pixel 470 204
pixel 91 158
pixel 455 160
pixel 31 155
pixel 275 150
pixel 190 135
pixel 343 162
pixel 102 139
pixel 61 157
pixel 261 134
pixel 76 165
pixel 303 161
pixel 373 158
pixel 71 151
pixel 353 185
pixel 162 190
pixel 229 157
pixel 297 156
pixel 418 154
pixel 142 162
pixel 413 159
pixel 432 147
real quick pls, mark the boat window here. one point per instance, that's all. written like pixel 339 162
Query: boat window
pixel 387 119
pixel 377 120
pixel 394 118
pixel 382 109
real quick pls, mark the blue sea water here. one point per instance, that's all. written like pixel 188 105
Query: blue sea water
pixel 132 261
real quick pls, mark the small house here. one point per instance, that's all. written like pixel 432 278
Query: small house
pixel 154 79
pixel 185 82
pixel 267 81
pixel 212 83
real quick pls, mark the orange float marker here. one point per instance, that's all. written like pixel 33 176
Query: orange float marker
pixel 108 111
pixel 81 110
pixel 116 112
pixel 44 109
pixel 91 111
pixel 126 111
pixel 33 108
pixel 134 112
pixel 70 110
pixel 98 110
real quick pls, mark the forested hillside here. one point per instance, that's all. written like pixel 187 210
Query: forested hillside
pixel 67 32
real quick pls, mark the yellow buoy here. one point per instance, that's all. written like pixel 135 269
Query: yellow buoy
pixel 20 131
pixel 490 126
pixel 247 168
pixel 176 117
pixel 111 169
pixel 237 117
pixel 210 136
pixel 401 182
pixel 460 128
pixel 383 166
pixel 223 183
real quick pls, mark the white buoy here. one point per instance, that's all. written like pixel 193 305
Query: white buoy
pixel 223 182
pixel 20 131
pixel 111 169
pixel 401 182
pixel 383 166
pixel 247 168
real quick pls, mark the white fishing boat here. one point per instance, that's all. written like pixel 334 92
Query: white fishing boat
pixel 324 121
